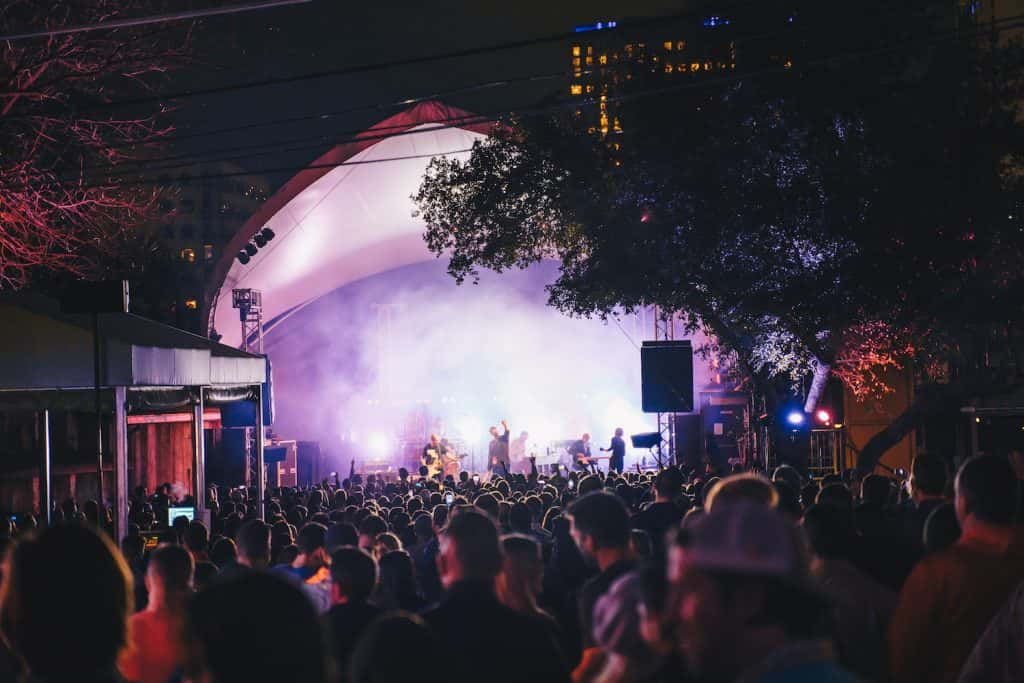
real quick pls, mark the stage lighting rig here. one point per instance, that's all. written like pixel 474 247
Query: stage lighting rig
pixel 258 241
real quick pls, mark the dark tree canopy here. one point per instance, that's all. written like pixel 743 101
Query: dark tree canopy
pixel 841 217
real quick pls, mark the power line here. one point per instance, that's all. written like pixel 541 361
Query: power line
pixel 410 61
pixel 154 19
pixel 495 117
pixel 572 73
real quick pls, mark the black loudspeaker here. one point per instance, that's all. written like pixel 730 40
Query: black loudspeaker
pixel 666 376
pixel 238 414
pixel 307 456
pixel 230 466
pixel 689 441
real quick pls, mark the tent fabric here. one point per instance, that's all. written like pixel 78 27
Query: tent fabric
pixel 43 349
pixel 335 225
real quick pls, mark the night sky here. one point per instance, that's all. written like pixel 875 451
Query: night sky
pixel 328 34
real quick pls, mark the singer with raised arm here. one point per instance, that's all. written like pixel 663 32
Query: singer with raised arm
pixel 618 451
pixel 497 451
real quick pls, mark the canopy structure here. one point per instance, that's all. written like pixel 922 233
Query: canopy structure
pixel 47 362
pixel 346 217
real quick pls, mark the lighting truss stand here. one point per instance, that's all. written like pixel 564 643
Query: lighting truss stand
pixel 249 303
pixel 664 330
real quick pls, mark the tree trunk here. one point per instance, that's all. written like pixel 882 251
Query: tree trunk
pixel 929 400
pixel 821 374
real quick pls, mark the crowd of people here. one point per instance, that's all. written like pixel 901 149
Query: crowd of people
pixel 639 577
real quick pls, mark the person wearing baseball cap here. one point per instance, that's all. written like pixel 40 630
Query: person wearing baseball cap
pixel 746 606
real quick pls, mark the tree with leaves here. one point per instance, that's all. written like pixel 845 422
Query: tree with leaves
pixel 835 219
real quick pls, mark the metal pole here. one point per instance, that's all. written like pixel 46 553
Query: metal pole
pixel 97 406
pixel 120 462
pixel 45 495
pixel 261 477
pixel 198 457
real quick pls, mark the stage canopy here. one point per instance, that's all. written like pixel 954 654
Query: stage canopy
pixel 345 217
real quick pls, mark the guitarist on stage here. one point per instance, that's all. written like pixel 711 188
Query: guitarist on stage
pixel 579 451
pixel 431 458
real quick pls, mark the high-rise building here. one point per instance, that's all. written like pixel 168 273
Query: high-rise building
pixel 204 208
pixel 608 57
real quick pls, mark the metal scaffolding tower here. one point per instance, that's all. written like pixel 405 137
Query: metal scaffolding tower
pixel 249 303
pixel 664 330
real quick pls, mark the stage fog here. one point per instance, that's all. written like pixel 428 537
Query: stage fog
pixel 372 368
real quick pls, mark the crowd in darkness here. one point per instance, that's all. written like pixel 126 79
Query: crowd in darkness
pixel 636 577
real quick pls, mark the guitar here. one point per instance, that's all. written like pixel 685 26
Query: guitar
pixel 431 459
pixel 450 462
pixel 585 461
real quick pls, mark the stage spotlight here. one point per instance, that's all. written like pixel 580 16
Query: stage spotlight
pixel 260 240
pixel 378 443
pixel 251 249
pixel 795 418
pixel 267 234
pixel 824 417
pixel 242 257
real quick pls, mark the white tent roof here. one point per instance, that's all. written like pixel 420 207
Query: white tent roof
pixel 336 224
pixel 44 349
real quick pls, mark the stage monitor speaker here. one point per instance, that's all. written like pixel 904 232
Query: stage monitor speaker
pixel 689 442
pixel 646 440
pixel 238 414
pixel 666 376
pixel 272 454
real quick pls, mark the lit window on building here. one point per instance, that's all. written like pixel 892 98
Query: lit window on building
pixel 590 88
pixel 188 255
pixel 668 45
pixel 207 252
pixel 682 67
pixel 707 66
pixel 603 59
pixel 191 304
pixel 575 89
pixel 590 49
pixel 629 48
pixel 668 68
pixel 617 128
pixel 575 50
pixel 681 45
pixel 575 61
pixel 695 66
pixel 591 130
pixel 590 61
pixel 788 64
